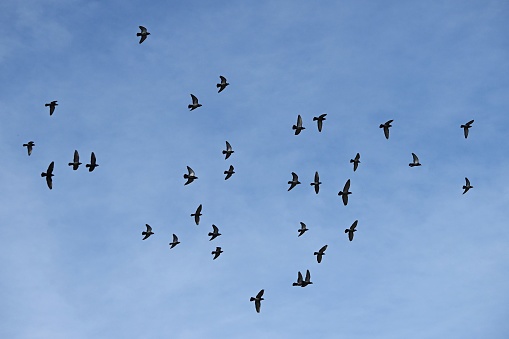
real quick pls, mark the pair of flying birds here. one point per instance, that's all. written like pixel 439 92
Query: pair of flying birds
pixel 191 176
pixel 195 104
pixel 298 127
pixel 149 232
pixel 387 125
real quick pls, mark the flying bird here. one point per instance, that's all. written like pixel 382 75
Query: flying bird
pixel 351 230
pixel 217 252
pixel 93 163
pixel 386 128
pixel 298 127
pixel 467 186
pixel 29 146
pixel 195 103
pixel 76 161
pixel 48 174
pixel 143 34
pixel 316 183
pixel 222 85
pixel 294 182
pixel 190 176
pixel 228 151
pixel 258 299
pixel 320 253
pixel 415 161
pixel 319 121
pixel 175 241
pixel 345 192
pixel 197 215
pixel 148 232
pixel 215 233
pixel 229 173
pixel 299 280
pixel 356 161
pixel 466 127
pixel 52 106
pixel 302 229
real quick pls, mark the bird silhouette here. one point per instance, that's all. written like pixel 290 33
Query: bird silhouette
pixel 49 174
pixel 356 161
pixel 51 106
pixel 143 34
pixel 215 233
pixel 222 85
pixel 29 145
pixel 175 241
pixel 190 176
pixel 217 253
pixel 228 151
pixel 148 232
pixel 320 253
pixel 302 229
pixel 93 163
pixel 345 192
pixel 197 215
pixel 351 230
pixel 195 103
pixel 76 161
pixel 298 128
pixel 415 161
pixel 319 121
pixel 294 182
pixel 303 282
pixel 466 127
pixel 229 172
pixel 316 183
pixel 467 186
pixel 386 127
pixel 258 299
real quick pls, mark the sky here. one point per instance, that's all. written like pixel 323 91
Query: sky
pixel 426 260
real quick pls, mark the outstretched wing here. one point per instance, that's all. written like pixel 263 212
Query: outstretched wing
pixel 467 182
pixel 354 225
pixel 149 228
pixel 345 198
pixel 143 29
pixel 346 188
pixel 50 168
pixel 228 147
pixel 190 171
pixel 323 249
pixel 260 294
pixel 175 238
pixel 386 132
pixel 76 157
pixel 215 229
pixel 299 121
pixel 308 276
pixel 415 158
pixel 195 99
pixel 295 177
pixel 223 79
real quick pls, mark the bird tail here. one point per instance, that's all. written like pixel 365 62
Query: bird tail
pixel 252 299
pixel 138 34
pixel 186 176
pixel 316 253
pixel 294 127
pixel 351 160
pixel 189 106
pixel 143 233
pixel 218 85
pixel 347 230
pixel 315 119
pixel 43 174
pixel 295 284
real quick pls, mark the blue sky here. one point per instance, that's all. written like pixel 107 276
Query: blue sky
pixel 426 261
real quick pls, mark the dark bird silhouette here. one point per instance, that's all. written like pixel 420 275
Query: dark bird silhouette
pixel 48 174
pixel 345 192
pixel 215 233
pixel 76 161
pixel 228 151
pixel 303 282
pixel 319 121
pixel 195 103
pixel 466 127
pixel 258 300
pixel 356 161
pixel 229 172
pixel 302 229
pixel 197 215
pixel 93 163
pixel 298 127
pixel 294 182
pixel 351 230
pixel 320 253
pixel 52 106
pixel 222 85
pixel 148 232
pixel 175 241
pixel 415 161
pixel 467 186
pixel 217 253
pixel 190 176
pixel 316 183
pixel 386 128
pixel 143 34
pixel 29 146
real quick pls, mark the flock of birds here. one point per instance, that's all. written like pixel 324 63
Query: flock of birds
pixel 190 176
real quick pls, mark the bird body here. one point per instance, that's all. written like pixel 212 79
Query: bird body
pixel 229 172
pixel 466 127
pixel 49 174
pixel 319 120
pixel 356 161
pixel 415 161
pixel 351 230
pixel 175 241
pixel 197 215
pixel 148 232
pixel 320 253
pixel 298 128
pixel 316 183
pixel 222 85
pixel 386 127
pixel 29 145
pixel 345 192
pixel 51 106
pixel 93 163
pixel 143 34
pixel 76 161
pixel 195 103
pixel 217 252
pixel 228 151
pixel 190 176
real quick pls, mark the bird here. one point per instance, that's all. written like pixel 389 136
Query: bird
pixel 175 241
pixel 229 172
pixel 302 229
pixel 298 127
pixel 386 128
pixel 197 215
pixel 148 232
pixel 316 183
pixel 345 192
pixel 76 161
pixel 319 121
pixel 294 182
pixel 48 174
pixel 320 253
pixel 52 106
pixel 190 176
pixel 415 161
pixel 228 151
pixel 299 280
pixel 467 186
pixel 217 252
pixel 351 230
pixel 29 146
pixel 215 233
pixel 92 164
pixel 222 85
pixel 195 103
pixel 356 161
pixel 143 34
pixel 258 299
pixel 466 127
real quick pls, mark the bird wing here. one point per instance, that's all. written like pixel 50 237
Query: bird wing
pixel 50 168
pixel 195 99
pixel 323 249
pixel 143 37
pixel 467 182
pixel 231 168
pixel 228 146
pixel 308 276
pixel 302 226
pixel 76 157
pixel 223 79
pixel 149 228
pixel 350 236
pixel 386 132
pixel 345 199
pixel 260 294
pixel 415 158
pixel 190 171
pixel 295 177
pixel 92 159
pixel 354 225
pixel 320 124
pixel 357 157
pixel 317 178
pixel 346 187
pixel 299 278
pixel 465 131
pixel 198 210
pixel 257 305
pixel 49 181
pixel 175 238
pixel 322 116
pixel 215 229
pixel 299 121
pixel 470 123
pixel 143 29
pixel 389 122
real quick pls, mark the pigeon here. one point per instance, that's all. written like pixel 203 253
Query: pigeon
pixel 175 241
pixel 320 253
pixel 386 128
pixel 345 192
pixel 316 183
pixel 143 34
pixel 52 106
pixel 228 151
pixel 222 85
pixel 303 282
pixel 217 252
pixel 467 186
pixel 466 127
pixel 147 233
pixel 92 164
pixel 258 299
pixel 229 173
pixel 299 280
pixel 302 229
pixel 197 215
pixel 195 103
pixel 215 233
pixel 295 181
pixel 29 146
pixel 298 127
pixel 76 161
pixel 190 176
pixel 415 161
pixel 351 230
pixel 356 161
pixel 319 121
pixel 48 174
